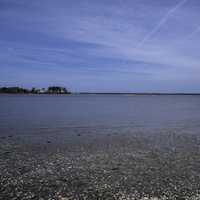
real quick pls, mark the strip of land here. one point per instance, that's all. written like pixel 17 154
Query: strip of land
pixel 63 90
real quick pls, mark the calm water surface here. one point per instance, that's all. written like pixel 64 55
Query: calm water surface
pixel 26 114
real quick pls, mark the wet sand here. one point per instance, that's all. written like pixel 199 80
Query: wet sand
pixel 83 165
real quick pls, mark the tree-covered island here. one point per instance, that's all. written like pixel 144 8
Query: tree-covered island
pixel 49 90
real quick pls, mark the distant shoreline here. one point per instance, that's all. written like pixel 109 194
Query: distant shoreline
pixel 57 90
pixel 136 93
pixel 104 93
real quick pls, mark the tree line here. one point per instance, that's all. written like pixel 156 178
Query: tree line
pixel 49 90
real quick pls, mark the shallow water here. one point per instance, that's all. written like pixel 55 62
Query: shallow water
pixel 26 114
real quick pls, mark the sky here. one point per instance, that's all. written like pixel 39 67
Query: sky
pixel 101 45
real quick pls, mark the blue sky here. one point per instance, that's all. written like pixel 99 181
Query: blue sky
pixel 103 46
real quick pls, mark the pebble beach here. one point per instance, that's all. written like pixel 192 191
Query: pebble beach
pixel 84 166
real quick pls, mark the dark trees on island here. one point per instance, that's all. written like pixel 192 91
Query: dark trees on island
pixel 57 90
pixel 50 90
pixel 14 90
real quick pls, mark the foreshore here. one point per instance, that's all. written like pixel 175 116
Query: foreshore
pixel 83 165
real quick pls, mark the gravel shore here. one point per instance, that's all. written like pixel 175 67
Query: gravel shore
pixel 81 166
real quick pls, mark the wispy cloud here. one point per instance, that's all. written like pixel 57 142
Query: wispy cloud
pixel 196 31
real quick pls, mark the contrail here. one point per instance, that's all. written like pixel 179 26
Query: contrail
pixel 162 22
